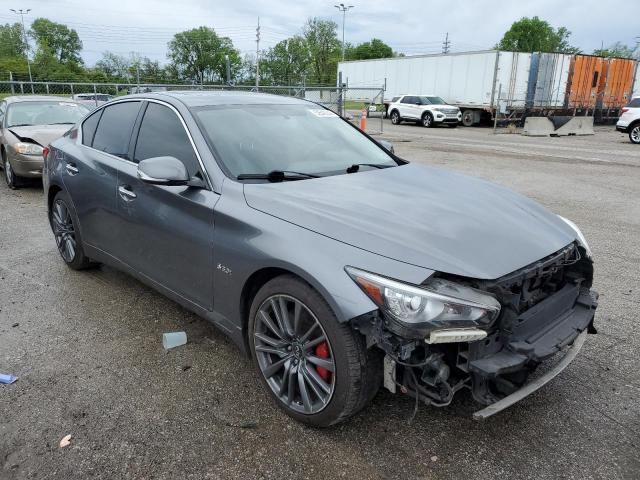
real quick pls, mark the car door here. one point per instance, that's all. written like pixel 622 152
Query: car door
pixel 168 230
pixel 91 171
pixel 405 106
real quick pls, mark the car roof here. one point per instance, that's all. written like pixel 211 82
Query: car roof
pixel 37 98
pixel 202 98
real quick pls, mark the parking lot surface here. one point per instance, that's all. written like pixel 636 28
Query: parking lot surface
pixel 87 349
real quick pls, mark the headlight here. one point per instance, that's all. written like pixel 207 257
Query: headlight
pixel 28 148
pixel 440 304
pixel 579 236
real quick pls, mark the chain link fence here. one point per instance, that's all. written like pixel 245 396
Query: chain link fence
pixel 351 103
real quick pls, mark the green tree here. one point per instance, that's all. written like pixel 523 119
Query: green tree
pixel 535 35
pixel 12 42
pixel 324 49
pixel 286 63
pixel 198 55
pixel 376 48
pixel 617 50
pixel 114 66
pixel 58 40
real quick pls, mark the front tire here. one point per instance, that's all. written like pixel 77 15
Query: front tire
pixel 395 117
pixel 13 181
pixel 64 224
pixel 427 120
pixel 316 369
pixel 634 134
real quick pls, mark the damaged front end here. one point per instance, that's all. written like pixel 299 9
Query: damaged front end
pixel 488 336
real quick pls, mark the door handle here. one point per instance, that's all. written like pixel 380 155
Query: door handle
pixel 71 169
pixel 126 193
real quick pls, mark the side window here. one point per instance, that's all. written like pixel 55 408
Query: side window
pixel 162 135
pixel 115 127
pixel 635 103
pixel 89 128
pixel 407 99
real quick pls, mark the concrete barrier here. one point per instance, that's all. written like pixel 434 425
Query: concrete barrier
pixel 545 127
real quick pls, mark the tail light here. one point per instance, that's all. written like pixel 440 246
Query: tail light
pixel 45 152
pixel 625 109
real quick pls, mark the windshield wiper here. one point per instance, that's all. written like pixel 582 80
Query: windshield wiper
pixel 276 176
pixel 61 123
pixel 21 125
pixel 356 166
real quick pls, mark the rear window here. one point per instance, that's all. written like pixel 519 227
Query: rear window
pixel 635 103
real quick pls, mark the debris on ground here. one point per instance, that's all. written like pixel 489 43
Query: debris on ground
pixel 173 339
pixel 66 441
pixel 7 379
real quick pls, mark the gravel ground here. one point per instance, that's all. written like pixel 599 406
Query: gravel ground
pixel 87 349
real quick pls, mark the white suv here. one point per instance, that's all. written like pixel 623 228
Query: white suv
pixel 429 110
pixel 629 122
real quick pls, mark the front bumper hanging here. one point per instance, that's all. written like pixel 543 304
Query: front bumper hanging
pixel 534 385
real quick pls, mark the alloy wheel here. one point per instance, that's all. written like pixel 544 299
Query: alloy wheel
pixel 426 120
pixel 395 118
pixel 63 231
pixel 294 354
pixel 635 134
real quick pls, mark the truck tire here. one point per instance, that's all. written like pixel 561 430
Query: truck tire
pixel 468 118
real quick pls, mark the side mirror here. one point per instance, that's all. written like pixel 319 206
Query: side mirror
pixel 163 171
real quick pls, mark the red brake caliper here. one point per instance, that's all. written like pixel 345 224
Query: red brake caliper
pixel 322 351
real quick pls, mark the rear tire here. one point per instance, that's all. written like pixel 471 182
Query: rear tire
pixel 64 224
pixel 634 134
pixel 395 117
pixel 288 366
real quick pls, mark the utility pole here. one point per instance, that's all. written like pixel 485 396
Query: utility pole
pixel 446 45
pixel 22 13
pixel 344 9
pixel 258 54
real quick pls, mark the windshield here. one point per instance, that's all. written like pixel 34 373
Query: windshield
pixel 257 139
pixel 432 101
pixel 44 113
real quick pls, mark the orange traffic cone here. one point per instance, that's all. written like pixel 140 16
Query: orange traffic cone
pixel 363 119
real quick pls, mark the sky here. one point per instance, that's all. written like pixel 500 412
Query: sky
pixel 408 26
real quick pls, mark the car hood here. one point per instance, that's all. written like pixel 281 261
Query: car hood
pixel 421 215
pixel 41 134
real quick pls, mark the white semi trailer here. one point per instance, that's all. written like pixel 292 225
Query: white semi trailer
pixel 473 81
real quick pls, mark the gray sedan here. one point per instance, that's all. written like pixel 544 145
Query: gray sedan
pixel 27 125
pixel 336 265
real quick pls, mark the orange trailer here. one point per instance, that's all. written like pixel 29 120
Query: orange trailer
pixel 599 83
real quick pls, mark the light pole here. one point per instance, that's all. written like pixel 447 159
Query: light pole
pixel 344 9
pixel 22 13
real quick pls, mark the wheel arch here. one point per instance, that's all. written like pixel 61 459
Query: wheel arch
pixel 261 277
pixel 51 194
